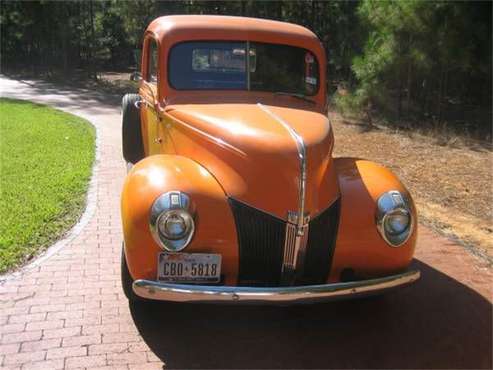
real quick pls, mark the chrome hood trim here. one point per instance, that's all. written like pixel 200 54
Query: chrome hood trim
pixel 294 248
pixel 300 144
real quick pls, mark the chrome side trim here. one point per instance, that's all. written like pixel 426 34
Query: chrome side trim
pixel 301 221
pixel 223 144
pixel 281 295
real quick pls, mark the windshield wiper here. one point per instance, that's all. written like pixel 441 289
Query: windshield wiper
pixel 296 95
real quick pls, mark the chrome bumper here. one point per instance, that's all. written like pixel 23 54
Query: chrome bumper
pixel 292 294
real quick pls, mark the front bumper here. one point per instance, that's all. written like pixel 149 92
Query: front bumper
pixel 281 295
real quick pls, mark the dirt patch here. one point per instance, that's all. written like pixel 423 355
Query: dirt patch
pixel 119 83
pixel 451 184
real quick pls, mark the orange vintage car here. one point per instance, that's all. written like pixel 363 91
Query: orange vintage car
pixel 232 192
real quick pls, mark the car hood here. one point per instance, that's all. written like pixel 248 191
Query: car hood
pixel 251 150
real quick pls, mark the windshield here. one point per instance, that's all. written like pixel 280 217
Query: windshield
pixel 221 65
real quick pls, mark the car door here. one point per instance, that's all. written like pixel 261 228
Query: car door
pixel 149 94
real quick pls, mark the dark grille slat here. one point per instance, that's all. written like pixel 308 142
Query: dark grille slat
pixel 261 240
pixel 261 245
pixel 321 243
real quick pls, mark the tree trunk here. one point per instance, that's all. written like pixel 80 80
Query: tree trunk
pixel 441 92
pixel 424 97
pixel 65 35
pixel 243 8
pixel 408 92
pixel 399 94
pixel 368 115
pixel 445 88
pixel 92 43
pixel 409 78
pixel 443 77
pixel 399 85
pixel 279 10
pixel 314 15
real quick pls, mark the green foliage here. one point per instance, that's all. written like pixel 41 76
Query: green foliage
pixel 408 59
pixel 419 56
pixel 347 103
pixel 98 35
pixel 45 165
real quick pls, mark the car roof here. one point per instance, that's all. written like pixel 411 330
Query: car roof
pixel 176 28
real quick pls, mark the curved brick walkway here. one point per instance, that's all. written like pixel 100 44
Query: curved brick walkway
pixel 68 311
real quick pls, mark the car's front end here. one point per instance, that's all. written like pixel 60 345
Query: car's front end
pixel 239 197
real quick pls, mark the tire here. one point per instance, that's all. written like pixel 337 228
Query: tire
pixel 132 143
pixel 127 281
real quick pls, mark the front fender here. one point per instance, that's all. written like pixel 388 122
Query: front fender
pixel 359 245
pixel 215 230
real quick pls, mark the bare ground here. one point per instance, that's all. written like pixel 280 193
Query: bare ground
pixel 451 183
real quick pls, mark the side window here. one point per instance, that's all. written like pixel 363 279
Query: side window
pixel 152 62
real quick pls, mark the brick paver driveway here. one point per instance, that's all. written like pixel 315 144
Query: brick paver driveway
pixel 68 311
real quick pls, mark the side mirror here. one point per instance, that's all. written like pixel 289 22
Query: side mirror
pixel 135 76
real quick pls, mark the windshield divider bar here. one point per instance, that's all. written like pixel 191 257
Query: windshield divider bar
pixel 247 56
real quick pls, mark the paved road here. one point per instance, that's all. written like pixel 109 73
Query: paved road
pixel 68 311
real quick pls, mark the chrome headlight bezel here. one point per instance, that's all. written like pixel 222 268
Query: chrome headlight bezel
pixel 172 203
pixel 391 203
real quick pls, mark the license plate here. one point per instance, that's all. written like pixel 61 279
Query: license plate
pixel 189 267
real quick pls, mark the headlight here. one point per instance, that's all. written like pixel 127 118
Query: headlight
pixel 394 219
pixel 172 221
pixel 397 221
pixel 174 224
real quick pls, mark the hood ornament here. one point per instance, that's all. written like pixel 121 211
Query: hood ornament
pixel 295 242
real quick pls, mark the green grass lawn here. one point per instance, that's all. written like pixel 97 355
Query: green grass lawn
pixel 46 158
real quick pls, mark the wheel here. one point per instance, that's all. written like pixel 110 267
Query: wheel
pixel 132 144
pixel 127 280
